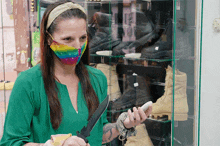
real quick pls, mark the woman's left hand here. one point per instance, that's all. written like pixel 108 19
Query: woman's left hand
pixel 137 117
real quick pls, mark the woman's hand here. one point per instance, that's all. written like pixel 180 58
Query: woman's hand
pixel 47 143
pixel 65 140
pixel 137 117
pixel 75 141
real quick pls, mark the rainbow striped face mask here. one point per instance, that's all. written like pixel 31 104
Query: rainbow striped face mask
pixel 68 55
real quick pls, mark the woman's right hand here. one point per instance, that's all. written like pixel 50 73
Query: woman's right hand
pixel 75 141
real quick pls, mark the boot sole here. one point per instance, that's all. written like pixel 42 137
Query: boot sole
pixel 177 117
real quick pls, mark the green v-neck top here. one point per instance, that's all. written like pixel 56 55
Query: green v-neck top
pixel 28 114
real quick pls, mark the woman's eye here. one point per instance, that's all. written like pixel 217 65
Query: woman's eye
pixel 83 38
pixel 67 39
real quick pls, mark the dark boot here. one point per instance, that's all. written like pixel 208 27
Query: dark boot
pixel 162 49
pixel 143 91
pixel 136 94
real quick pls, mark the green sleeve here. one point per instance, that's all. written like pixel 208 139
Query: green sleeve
pixel 99 81
pixel 19 114
pixel 105 86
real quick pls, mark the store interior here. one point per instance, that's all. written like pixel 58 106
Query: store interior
pixel 146 48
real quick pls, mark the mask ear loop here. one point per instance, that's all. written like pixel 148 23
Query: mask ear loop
pixel 49 35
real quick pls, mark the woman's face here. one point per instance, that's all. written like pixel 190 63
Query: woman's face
pixel 71 32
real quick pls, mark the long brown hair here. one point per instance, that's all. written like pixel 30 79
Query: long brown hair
pixel 47 67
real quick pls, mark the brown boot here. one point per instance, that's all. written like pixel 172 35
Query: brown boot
pixel 141 139
pixel 163 105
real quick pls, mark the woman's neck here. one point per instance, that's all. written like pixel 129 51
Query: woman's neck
pixel 63 70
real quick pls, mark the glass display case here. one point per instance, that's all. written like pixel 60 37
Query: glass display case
pixel 148 50
pixel 151 51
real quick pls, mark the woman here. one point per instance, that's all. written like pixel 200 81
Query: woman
pixel 57 97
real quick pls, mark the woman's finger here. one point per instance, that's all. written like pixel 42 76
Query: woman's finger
pixel 70 143
pixel 136 115
pixel 148 111
pixel 142 114
pixel 131 117
pixel 48 143
pixel 81 142
pixel 74 141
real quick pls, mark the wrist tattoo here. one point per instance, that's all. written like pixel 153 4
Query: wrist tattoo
pixel 108 128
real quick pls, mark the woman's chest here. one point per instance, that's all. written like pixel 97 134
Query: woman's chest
pixel 72 90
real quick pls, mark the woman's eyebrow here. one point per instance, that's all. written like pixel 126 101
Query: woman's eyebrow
pixel 84 34
pixel 63 37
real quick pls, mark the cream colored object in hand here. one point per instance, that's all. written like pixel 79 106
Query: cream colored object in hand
pixel 141 139
pixel 163 105
pixel 59 139
pixel 112 79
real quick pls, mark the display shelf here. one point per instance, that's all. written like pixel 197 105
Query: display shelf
pixel 189 58
pixel 163 84
pixel 119 56
pixel 191 117
pixel 161 120
pixel 189 27
pixel 151 71
pixel 143 59
pixel 135 59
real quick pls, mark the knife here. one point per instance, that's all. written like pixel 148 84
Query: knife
pixel 85 131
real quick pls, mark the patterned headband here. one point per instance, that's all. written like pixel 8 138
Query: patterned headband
pixel 60 9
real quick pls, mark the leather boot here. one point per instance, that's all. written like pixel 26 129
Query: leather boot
pixel 162 49
pixel 163 105
pixel 112 80
pixel 136 94
pixel 143 91
pixel 141 139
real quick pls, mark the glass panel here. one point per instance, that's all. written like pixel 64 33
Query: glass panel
pixel 144 32
pixel 185 70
